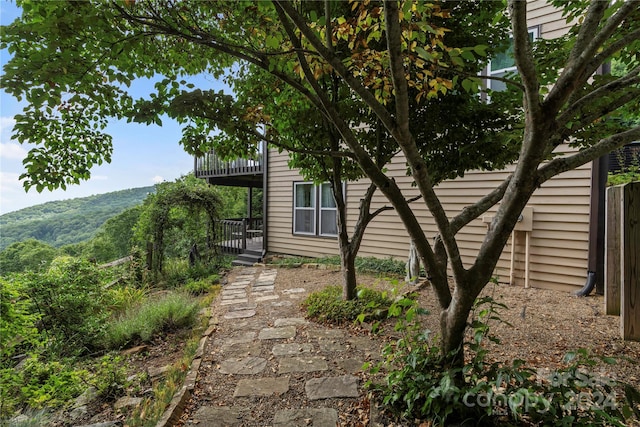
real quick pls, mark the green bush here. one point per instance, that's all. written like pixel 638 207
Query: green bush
pixel 155 315
pixel 72 305
pixel 199 287
pixel 18 330
pixel 40 383
pixel 419 385
pixel 327 306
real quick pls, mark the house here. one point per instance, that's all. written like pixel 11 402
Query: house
pixel 555 246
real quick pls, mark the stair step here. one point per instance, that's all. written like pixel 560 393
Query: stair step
pixel 247 258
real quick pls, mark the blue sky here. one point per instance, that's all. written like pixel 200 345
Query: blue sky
pixel 142 155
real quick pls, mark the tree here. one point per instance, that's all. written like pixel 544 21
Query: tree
pixel 29 255
pixel 71 61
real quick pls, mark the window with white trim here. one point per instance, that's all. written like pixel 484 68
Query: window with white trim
pixel 314 210
pixel 328 211
pixel 304 208
pixel 504 63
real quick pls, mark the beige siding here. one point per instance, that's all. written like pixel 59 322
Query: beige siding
pixel 558 241
pixel 547 18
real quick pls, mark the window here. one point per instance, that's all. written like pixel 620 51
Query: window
pixel 328 212
pixel 314 210
pixel 503 63
pixel 304 208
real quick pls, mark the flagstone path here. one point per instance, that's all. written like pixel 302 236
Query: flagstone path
pixel 267 365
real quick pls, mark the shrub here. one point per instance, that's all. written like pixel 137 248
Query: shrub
pixel 419 384
pixel 199 287
pixel 41 383
pixel 155 315
pixel 18 330
pixel 72 305
pixel 124 297
pixel 328 305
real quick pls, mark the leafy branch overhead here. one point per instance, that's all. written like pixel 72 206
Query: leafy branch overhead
pixel 379 81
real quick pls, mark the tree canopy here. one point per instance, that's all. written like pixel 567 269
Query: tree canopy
pixel 72 62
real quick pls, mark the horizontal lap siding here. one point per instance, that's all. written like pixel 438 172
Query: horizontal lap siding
pixel 559 240
pixel 280 237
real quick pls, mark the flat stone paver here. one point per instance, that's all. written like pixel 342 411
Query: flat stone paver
pixel 332 387
pixel 243 349
pixel 315 417
pixel 248 306
pixel 294 291
pixel 240 314
pixel 281 304
pixel 302 364
pixel 267 298
pixel 290 321
pixel 244 337
pixel 291 349
pixel 234 301
pixel 277 333
pixel 352 366
pixel 235 291
pixel 262 387
pixel 244 366
pixel 219 416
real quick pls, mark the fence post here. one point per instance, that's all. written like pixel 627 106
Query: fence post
pixel 613 260
pixel 630 306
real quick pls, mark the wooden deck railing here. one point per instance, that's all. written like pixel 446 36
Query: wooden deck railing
pixel 210 165
pixel 235 236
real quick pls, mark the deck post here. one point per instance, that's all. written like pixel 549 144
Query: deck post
pixel 244 234
pixel 630 306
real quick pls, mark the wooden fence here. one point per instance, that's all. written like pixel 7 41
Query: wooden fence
pixel 622 258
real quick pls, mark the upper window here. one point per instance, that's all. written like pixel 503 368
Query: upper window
pixel 503 63
pixel 314 210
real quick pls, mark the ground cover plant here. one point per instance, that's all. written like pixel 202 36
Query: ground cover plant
pixel 61 331
pixel 414 381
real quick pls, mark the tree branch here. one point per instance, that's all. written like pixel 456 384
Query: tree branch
pixel 472 212
pixel 523 57
pixel 583 59
pixel 606 145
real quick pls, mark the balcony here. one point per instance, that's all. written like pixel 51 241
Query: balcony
pixel 236 173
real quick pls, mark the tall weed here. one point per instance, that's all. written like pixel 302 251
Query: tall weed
pixel 141 323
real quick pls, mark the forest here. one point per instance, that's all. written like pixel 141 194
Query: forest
pixel 66 317
pixel 69 221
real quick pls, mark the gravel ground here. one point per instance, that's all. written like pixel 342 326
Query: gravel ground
pixel 545 325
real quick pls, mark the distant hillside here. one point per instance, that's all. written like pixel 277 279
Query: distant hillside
pixel 67 221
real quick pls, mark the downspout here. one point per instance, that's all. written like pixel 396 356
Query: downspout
pixel 265 204
pixel 595 265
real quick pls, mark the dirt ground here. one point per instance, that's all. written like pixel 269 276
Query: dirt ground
pixel 544 326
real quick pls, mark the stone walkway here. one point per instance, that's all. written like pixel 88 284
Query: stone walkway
pixel 267 365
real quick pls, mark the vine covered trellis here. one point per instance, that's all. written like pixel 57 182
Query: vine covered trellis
pixel 191 194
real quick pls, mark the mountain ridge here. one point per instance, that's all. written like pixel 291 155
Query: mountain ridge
pixel 68 221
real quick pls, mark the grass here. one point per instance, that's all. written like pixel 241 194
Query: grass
pixel 141 323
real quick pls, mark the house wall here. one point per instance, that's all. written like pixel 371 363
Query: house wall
pixel 558 240
pixel 560 228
